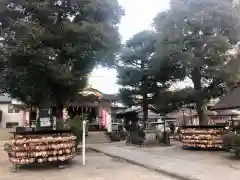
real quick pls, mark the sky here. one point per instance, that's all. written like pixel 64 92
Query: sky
pixel 138 16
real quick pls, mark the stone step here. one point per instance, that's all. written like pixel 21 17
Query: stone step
pixel 97 137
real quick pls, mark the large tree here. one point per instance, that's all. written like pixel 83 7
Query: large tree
pixel 196 35
pixel 138 85
pixel 51 46
pixel 133 73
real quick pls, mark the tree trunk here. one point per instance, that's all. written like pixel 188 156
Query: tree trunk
pixel 59 110
pixel 145 108
pixel 30 115
pixel 200 105
pixel 44 105
pixel 202 109
pixel 145 92
pixel 59 115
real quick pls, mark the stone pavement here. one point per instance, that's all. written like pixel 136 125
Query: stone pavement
pixel 176 162
pixel 98 167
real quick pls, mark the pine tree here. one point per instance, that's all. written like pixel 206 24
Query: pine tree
pixel 138 86
pixel 196 35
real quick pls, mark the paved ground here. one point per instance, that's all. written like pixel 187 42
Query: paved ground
pixel 201 165
pixel 203 157
pixel 99 167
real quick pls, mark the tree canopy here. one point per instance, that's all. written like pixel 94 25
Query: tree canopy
pixel 51 46
pixel 137 85
pixel 196 35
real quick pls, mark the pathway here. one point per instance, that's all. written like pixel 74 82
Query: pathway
pixel 98 167
pixel 184 164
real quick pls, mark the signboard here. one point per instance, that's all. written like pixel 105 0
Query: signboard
pixel 45 120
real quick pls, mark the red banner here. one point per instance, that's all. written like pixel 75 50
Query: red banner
pixel 103 119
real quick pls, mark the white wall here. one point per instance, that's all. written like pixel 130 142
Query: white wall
pixel 10 117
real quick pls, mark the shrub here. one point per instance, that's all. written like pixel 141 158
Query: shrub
pixel 232 141
pixel 75 125
pixel 8 148
pixel 228 141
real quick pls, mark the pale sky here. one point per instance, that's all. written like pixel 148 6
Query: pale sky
pixel 138 16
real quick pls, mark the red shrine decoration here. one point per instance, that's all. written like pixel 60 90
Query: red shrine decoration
pixel 103 118
pixel 235 84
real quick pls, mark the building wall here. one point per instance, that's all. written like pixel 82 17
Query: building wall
pixel 11 117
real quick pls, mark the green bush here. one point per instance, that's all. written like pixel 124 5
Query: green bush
pixel 236 140
pixel 8 148
pixel 228 140
pixel 75 125
pixel 232 141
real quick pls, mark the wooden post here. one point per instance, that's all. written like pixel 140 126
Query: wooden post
pixel 30 115
pixel 184 120
pixel 191 115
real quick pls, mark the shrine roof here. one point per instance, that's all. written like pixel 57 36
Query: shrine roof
pixel 91 91
pixel 230 101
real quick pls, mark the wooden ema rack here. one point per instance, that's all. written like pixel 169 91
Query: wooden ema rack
pixel 202 137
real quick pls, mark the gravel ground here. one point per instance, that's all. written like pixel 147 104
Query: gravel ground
pixel 98 167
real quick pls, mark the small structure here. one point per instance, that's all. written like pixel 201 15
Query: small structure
pixel 94 104
pixel 133 121
pixel 210 136
pixel 12 113
pixel 153 115
pixel 187 116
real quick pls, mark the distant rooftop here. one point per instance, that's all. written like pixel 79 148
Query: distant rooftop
pixel 230 101
pixel 8 99
pixel 5 99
